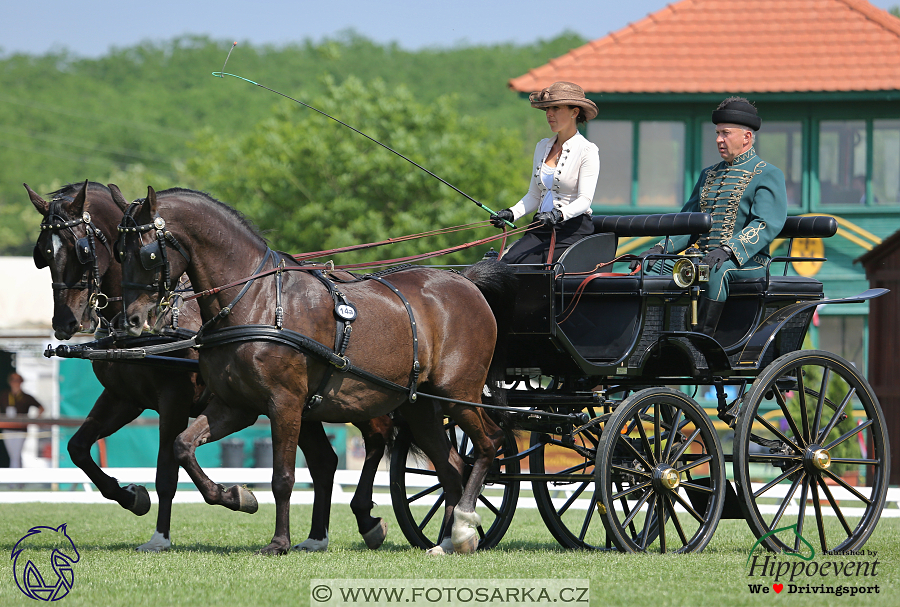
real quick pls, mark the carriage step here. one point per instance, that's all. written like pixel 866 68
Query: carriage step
pixel 732 506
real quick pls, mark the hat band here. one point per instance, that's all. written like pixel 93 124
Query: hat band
pixel 737 117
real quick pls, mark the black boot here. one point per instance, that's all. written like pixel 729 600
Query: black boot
pixel 708 314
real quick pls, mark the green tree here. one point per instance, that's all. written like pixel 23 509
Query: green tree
pixel 312 184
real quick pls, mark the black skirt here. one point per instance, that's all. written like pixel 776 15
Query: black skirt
pixel 533 247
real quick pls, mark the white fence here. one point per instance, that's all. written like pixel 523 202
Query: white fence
pixel 345 481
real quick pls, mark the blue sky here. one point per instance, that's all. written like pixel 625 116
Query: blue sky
pixel 88 28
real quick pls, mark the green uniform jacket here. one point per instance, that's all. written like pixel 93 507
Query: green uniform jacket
pixel 747 199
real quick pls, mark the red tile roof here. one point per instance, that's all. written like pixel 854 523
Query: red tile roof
pixel 749 46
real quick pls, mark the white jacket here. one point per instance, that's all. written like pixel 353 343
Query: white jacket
pixel 573 184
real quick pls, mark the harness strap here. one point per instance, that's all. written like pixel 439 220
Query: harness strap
pixel 227 309
pixel 341 335
pixel 414 374
pixel 242 333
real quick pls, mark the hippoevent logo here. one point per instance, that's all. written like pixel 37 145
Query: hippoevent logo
pixel 800 573
pixel 43 563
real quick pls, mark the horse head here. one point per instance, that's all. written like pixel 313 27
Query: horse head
pixel 152 261
pixel 74 242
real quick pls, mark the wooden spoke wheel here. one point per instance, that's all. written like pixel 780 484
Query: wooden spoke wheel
pixel 811 453
pixel 659 459
pixel 568 501
pixel 418 497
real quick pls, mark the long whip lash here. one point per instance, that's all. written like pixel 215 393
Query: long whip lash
pixel 223 73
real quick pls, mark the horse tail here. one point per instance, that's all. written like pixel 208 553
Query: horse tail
pixel 499 286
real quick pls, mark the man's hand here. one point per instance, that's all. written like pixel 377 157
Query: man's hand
pixel 550 218
pixel 654 250
pixel 717 257
pixel 499 220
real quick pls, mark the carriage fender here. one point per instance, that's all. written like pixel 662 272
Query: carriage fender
pixel 764 335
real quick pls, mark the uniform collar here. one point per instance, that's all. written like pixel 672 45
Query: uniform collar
pixel 742 158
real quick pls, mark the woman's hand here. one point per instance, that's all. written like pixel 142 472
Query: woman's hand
pixel 501 217
pixel 550 218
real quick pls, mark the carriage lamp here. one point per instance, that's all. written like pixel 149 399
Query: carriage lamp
pixel 688 270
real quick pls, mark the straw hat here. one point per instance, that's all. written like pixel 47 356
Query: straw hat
pixel 564 93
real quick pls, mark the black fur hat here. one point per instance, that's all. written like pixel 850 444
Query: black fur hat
pixel 737 110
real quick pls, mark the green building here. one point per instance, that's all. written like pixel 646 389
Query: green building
pixel 825 78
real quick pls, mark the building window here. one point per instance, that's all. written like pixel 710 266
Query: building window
pixel 614 138
pixel 886 162
pixel 660 164
pixel 842 162
pixel 778 143
pixel 781 144
pixel 658 148
pixel 843 335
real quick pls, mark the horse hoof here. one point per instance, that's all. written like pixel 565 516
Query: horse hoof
pixel 246 500
pixel 374 537
pixel 141 505
pixel 311 545
pixel 157 543
pixel 445 547
pixel 273 549
pixel 465 531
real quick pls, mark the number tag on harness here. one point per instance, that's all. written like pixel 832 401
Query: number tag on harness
pixel 345 312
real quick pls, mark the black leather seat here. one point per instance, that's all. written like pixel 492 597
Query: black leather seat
pixel 778 285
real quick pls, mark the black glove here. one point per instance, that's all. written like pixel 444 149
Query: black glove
pixel 716 257
pixel 654 250
pixel 499 220
pixel 550 218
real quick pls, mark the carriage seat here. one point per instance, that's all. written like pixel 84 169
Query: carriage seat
pixel 815 226
pixel 778 285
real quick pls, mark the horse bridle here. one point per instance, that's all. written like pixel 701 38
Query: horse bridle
pixel 152 255
pixel 85 251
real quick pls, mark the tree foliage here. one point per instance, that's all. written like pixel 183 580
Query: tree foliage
pixel 130 117
pixel 312 184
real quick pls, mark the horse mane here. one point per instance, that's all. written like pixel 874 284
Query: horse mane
pixel 71 189
pixel 207 199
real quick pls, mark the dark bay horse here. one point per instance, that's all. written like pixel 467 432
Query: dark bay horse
pixel 87 282
pixel 418 328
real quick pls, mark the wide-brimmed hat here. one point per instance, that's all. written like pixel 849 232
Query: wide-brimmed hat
pixel 564 93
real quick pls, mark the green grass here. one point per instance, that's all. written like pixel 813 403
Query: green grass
pixel 213 561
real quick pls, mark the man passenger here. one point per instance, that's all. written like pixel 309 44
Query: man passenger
pixel 747 200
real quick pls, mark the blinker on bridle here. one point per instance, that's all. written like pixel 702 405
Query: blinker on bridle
pixel 85 251
pixel 153 255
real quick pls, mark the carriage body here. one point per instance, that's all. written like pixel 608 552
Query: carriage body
pixel 601 364
pixel 611 326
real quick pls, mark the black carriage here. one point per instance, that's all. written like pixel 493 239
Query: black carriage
pixel 603 369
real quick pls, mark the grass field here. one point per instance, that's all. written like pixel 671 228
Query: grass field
pixel 213 561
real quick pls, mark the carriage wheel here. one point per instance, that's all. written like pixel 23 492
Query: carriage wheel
pixel 645 472
pixel 418 498
pixel 811 439
pixel 568 505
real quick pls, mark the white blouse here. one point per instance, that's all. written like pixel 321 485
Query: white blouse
pixel 574 179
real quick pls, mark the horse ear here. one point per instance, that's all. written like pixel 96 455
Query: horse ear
pixel 39 203
pixel 77 205
pixel 151 198
pixel 117 197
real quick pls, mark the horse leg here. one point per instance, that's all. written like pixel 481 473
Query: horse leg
pixel 107 416
pixel 426 423
pixel 376 433
pixel 216 422
pixel 286 416
pixel 322 463
pixel 173 419
pixel 486 438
